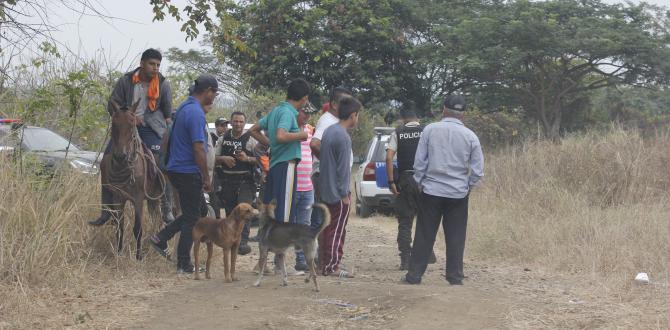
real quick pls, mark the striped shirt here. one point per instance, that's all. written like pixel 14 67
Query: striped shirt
pixel 305 166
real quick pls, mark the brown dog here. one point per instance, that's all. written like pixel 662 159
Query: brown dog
pixel 225 233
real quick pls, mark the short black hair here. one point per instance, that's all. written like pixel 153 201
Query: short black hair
pixel 408 113
pixel 337 92
pixel 297 89
pixel 348 105
pixel 238 113
pixel 151 54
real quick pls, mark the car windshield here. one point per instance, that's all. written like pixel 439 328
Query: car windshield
pixel 42 139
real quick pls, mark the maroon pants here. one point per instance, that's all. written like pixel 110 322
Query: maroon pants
pixel 331 241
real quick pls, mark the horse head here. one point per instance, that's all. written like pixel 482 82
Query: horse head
pixel 124 122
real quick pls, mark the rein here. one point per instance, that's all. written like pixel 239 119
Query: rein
pixel 122 173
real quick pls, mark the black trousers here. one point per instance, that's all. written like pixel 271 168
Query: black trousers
pixel 189 188
pixel 453 213
pixel 238 189
pixel 406 205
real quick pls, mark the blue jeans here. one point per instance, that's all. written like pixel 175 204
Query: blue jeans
pixel 302 215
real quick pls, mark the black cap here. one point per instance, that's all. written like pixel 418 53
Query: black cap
pixel 455 102
pixel 221 121
pixel 203 82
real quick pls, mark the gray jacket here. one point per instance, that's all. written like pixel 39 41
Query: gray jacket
pixel 123 95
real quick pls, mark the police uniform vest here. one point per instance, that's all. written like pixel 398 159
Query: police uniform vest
pixel 408 141
pixel 228 147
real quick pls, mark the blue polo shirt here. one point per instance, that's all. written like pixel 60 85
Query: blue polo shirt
pixel 284 116
pixel 189 127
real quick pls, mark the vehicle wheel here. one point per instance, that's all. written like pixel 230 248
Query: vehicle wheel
pixel 363 210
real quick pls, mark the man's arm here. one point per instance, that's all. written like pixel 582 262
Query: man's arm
pixel 285 122
pixel 315 145
pixel 255 132
pixel 476 164
pixel 391 148
pixel 200 157
pixel 118 96
pixel 285 137
pixel 166 101
pixel 421 158
pixel 342 154
pixel 389 170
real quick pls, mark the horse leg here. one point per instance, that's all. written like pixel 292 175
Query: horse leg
pixel 119 230
pixel 117 215
pixel 137 228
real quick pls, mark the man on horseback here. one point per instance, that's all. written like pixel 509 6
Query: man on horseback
pixel 148 87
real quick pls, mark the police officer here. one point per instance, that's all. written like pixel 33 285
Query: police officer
pixel 221 126
pixel 235 155
pixel 403 143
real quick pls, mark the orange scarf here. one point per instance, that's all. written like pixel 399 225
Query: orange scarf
pixel 154 90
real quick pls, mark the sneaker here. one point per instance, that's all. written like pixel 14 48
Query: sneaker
pixel 342 274
pixel 454 281
pixel 160 247
pixel 186 270
pixel 244 249
pixel 295 272
pixel 301 267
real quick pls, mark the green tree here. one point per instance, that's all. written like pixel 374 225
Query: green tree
pixel 546 57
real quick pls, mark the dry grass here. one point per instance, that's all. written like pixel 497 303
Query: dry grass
pixel 594 205
pixel 49 255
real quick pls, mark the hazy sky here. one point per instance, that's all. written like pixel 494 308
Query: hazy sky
pixel 123 38
pixel 127 39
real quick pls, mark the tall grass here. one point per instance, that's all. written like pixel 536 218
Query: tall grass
pixel 594 204
pixel 44 238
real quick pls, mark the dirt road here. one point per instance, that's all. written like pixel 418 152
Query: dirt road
pixel 374 299
pixel 495 296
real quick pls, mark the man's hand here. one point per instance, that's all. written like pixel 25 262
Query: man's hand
pixel 303 135
pixel 229 161
pixel 241 156
pixel 346 200
pixel 139 120
pixel 394 189
pixel 168 121
pixel 207 184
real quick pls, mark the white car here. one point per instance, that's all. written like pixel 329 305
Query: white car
pixel 371 181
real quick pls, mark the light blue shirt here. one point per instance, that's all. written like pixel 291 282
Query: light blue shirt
pixel 449 160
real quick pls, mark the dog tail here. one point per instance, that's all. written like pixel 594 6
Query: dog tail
pixel 325 213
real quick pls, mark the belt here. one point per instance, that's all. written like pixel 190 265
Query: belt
pixel 407 172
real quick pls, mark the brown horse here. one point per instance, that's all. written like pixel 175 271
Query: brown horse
pixel 130 172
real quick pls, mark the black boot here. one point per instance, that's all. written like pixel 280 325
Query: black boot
pixel 166 205
pixel 106 199
pixel 404 260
